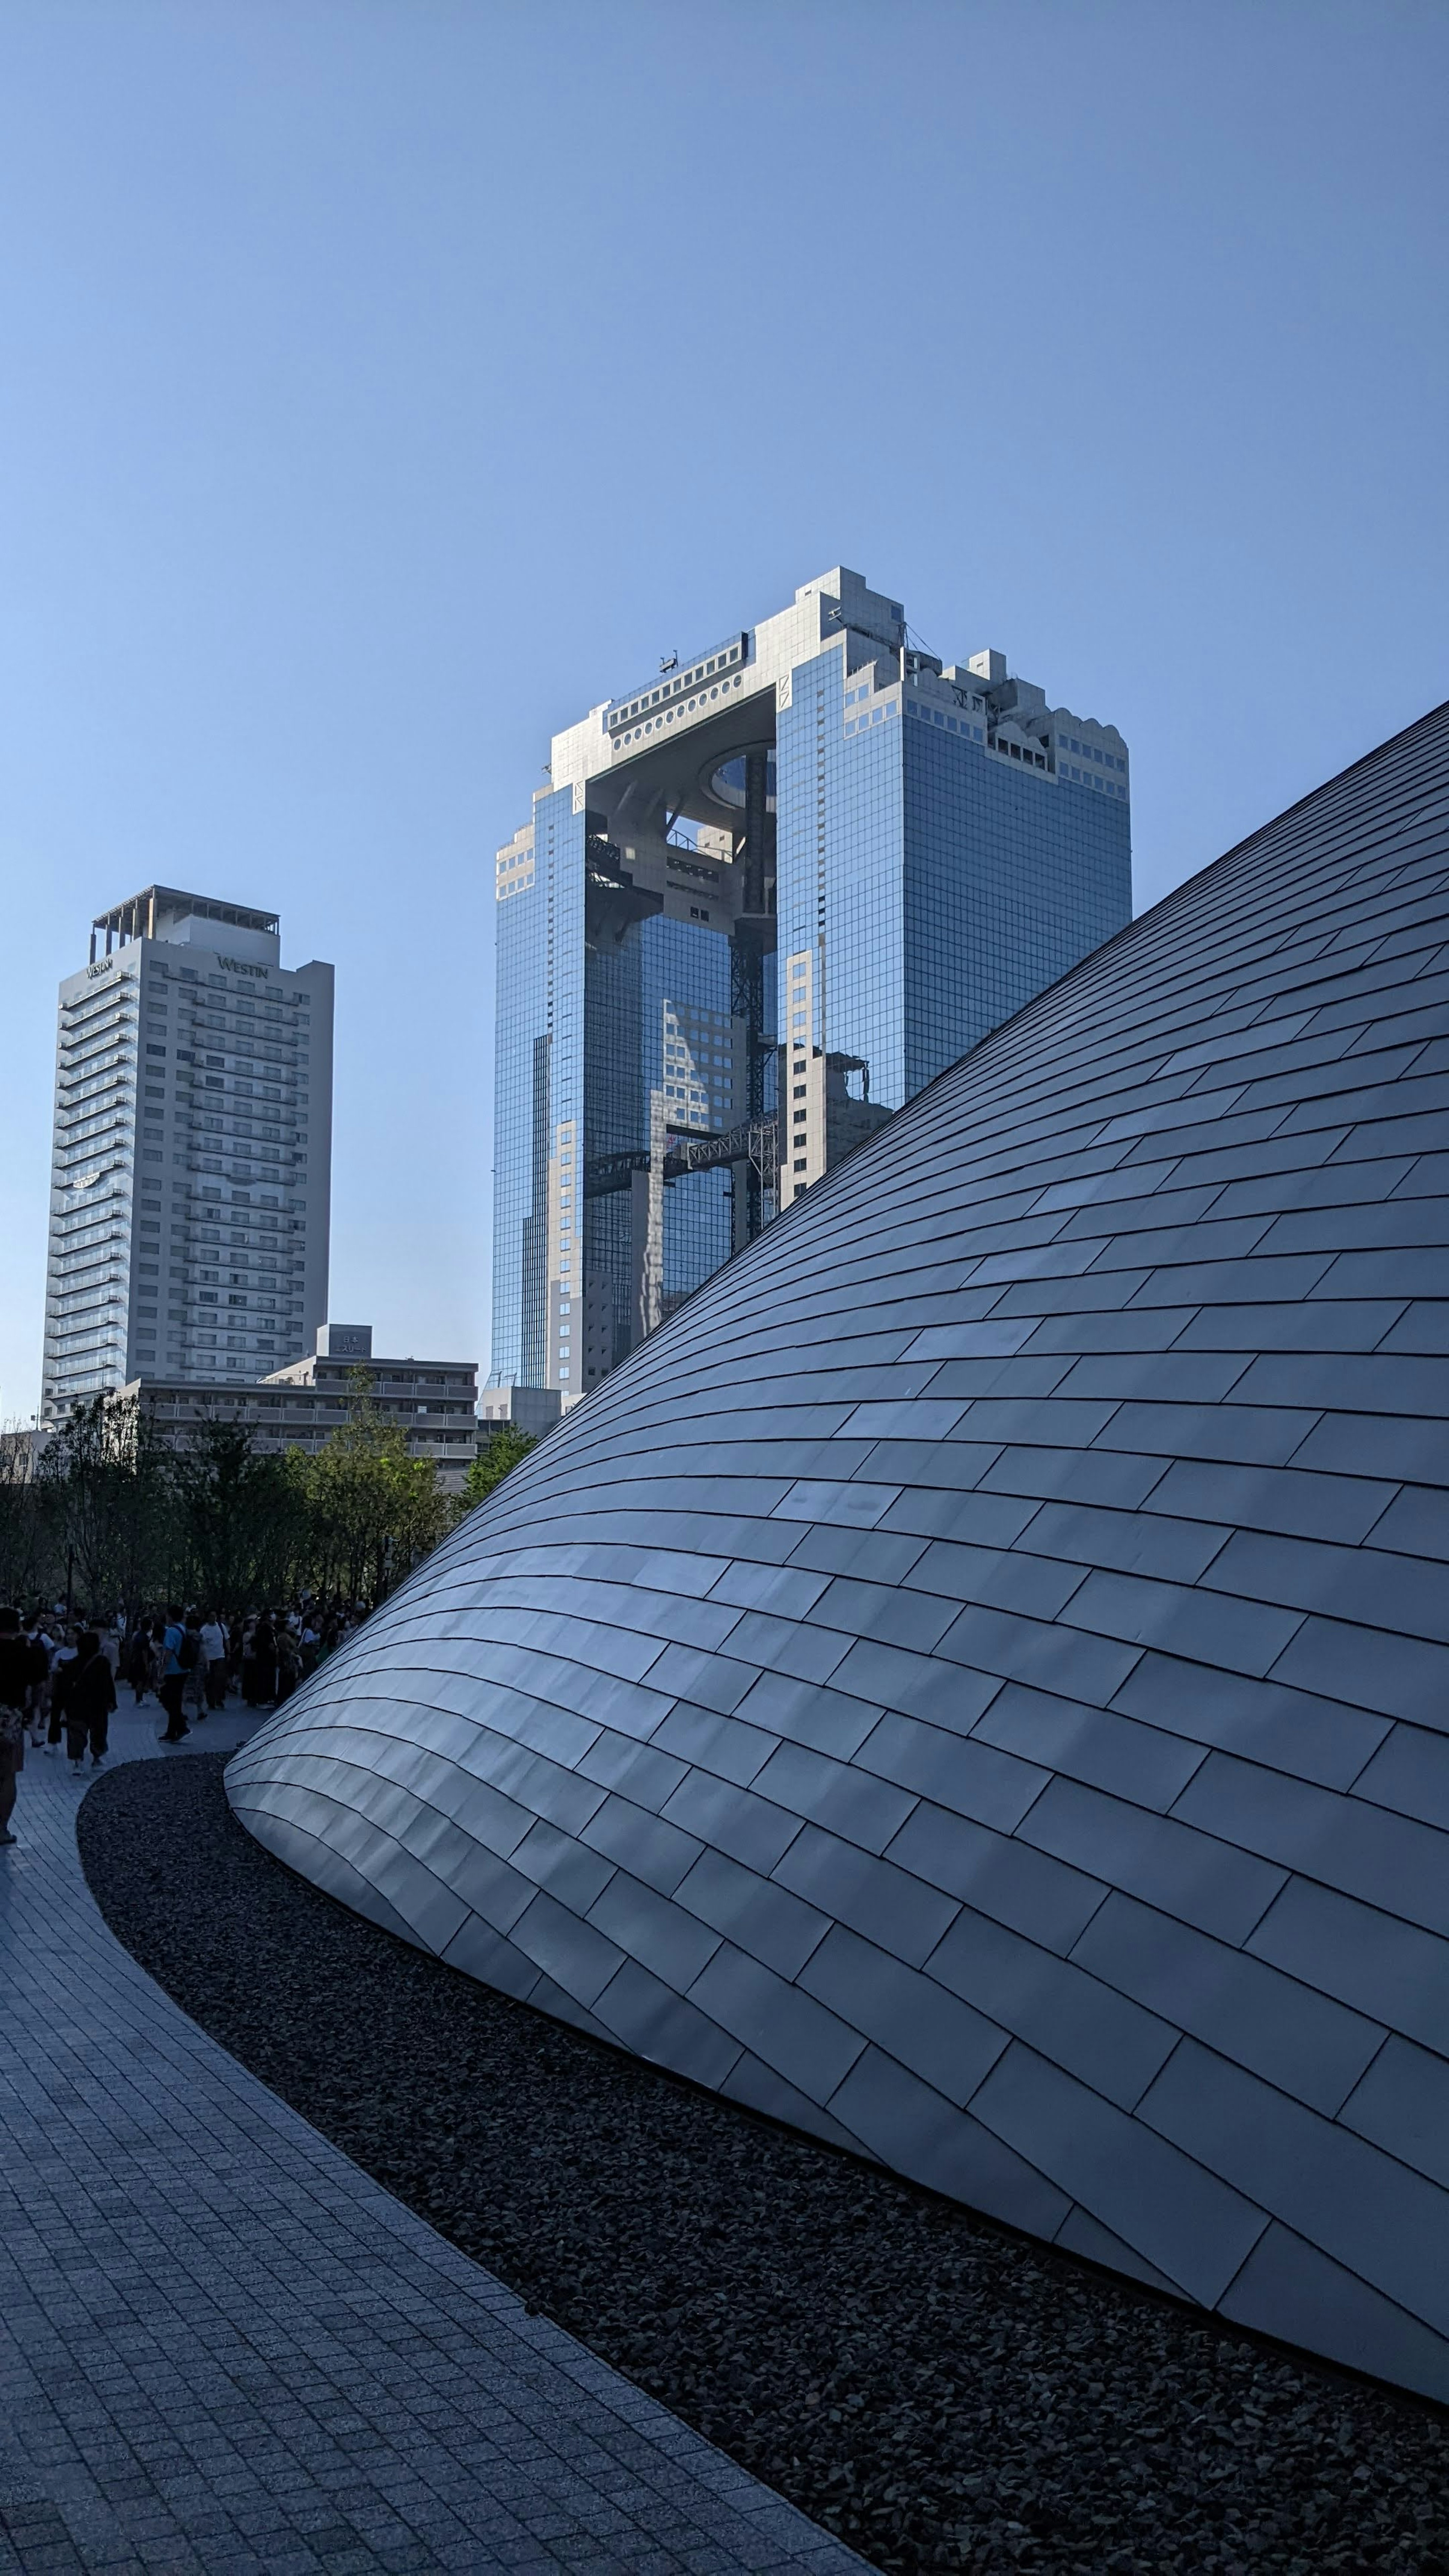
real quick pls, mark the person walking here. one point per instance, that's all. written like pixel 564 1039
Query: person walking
pixel 172 1684
pixel 15 1688
pixel 214 1647
pixel 193 1666
pixel 259 1673
pixel 289 1663
pixel 40 1650
pixel 90 1696
pixel 60 1664
pixel 140 1660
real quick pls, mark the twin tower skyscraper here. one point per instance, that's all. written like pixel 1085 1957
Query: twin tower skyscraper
pixel 765 899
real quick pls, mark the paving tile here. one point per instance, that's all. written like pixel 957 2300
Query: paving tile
pixel 223 2349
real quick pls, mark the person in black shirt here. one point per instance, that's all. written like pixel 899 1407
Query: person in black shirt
pixel 90 1696
pixel 14 1694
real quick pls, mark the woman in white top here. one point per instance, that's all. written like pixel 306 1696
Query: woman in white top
pixel 214 1650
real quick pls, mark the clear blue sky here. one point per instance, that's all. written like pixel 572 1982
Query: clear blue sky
pixel 386 381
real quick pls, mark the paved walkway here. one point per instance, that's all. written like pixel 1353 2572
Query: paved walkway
pixel 224 2349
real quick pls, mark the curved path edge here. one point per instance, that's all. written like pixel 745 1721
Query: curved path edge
pixel 225 2349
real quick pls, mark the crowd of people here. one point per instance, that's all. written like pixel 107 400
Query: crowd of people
pixel 59 1674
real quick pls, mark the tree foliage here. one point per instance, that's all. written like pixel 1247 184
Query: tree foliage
pixel 130 1518
pixel 502 1452
pixel 27 1532
pixel 241 1517
pixel 106 1477
pixel 371 1508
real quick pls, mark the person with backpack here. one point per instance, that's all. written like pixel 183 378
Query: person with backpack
pixel 15 1687
pixel 90 1696
pixel 172 1683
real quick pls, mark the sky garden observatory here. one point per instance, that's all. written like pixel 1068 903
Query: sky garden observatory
pixel 766 898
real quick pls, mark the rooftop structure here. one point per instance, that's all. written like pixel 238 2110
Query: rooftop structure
pixel 162 912
pixel 530 1409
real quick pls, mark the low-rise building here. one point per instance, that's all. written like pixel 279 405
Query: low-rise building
pixel 433 1402
pixel 530 1409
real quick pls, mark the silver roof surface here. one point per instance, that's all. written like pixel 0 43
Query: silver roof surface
pixel 976 1685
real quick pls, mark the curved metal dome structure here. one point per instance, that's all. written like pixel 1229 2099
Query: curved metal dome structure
pixel 976 1685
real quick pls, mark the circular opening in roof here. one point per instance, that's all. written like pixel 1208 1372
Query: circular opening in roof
pixel 728 782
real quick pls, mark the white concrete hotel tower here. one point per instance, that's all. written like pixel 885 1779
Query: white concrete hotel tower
pixel 192 1163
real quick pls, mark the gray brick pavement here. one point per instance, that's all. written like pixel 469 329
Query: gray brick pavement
pixel 224 2350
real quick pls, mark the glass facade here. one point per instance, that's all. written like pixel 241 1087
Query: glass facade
pixel 767 899
pixel 842 879
pixel 603 1042
pixel 686 1056
pixel 1011 877
pixel 539 1088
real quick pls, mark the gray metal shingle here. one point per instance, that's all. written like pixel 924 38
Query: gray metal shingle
pixel 1047 1518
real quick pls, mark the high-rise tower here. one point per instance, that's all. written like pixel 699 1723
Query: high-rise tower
pixel 764 900
pixel 192 1164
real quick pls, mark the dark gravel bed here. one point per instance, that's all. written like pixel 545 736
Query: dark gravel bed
pixel 942 2394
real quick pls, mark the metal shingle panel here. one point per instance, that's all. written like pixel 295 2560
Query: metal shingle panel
pixel 1161 2200
pixel 1271 2023
pixel 1076 1452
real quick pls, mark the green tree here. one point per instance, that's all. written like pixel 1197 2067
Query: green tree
pixel 373 1510
pixel 503 1452
pixel 107 1476
pixel 27 1520
pixel 242 1516
pixel 214 1519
